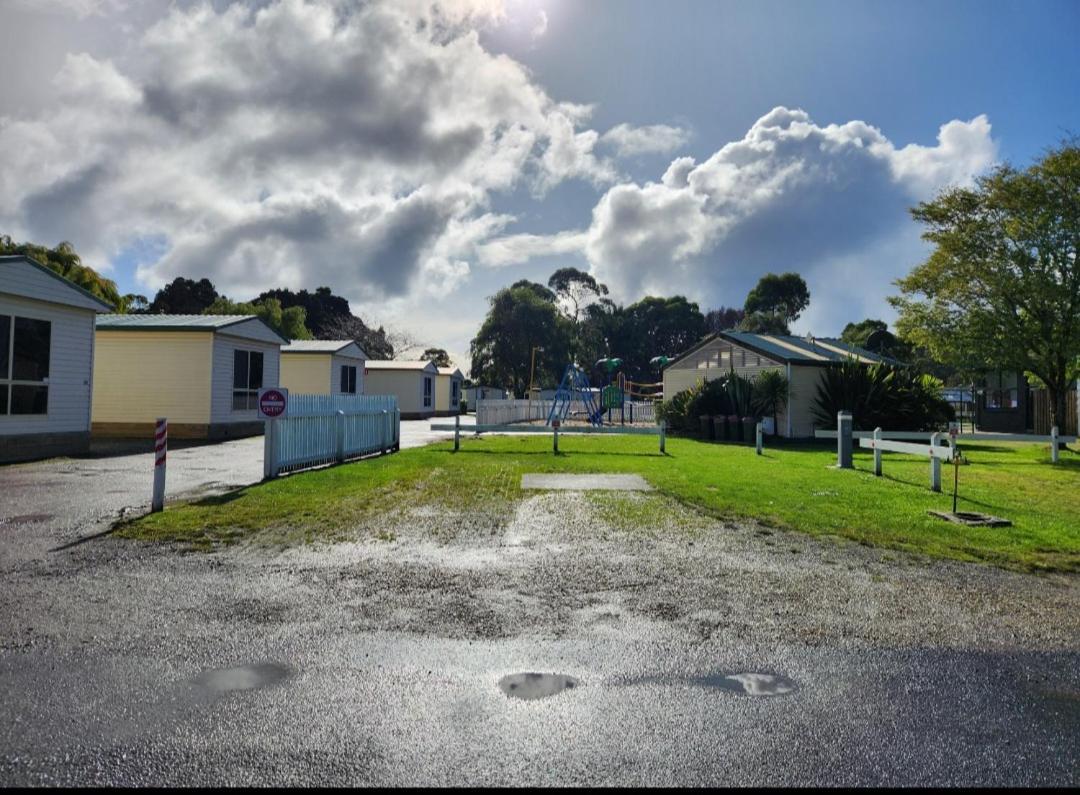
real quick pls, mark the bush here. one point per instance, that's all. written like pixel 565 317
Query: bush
pixel 729 396
pixel 881 395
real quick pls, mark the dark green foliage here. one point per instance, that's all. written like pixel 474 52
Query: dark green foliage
pixel 881 395
pixel 63 260
pixel 771 395
pixel 329 317
pixel 437 356
pixel 184 297
pixel 732 395
pixel 784 296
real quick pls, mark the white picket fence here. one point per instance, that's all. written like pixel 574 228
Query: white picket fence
pixel 321 429
pixel 503 412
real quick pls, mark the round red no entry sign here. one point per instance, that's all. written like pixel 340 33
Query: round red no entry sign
pixel 272 403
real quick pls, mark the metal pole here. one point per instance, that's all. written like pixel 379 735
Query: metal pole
pixel 1054 444
pixel 555 437
pixel 843 440
pixel 935 464
pixel 663 435
pixel 759 438
pixel 877 452
pixel 161 444
pixel 340 435
pixel 956 476
pixel 384 430
pixel 457 433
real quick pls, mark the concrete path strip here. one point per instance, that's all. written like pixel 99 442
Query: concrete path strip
pixel 585 482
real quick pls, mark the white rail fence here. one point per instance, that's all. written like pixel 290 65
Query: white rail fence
pixel 502 412
pixel 322 429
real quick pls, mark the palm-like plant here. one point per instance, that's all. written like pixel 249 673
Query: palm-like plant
pixel 771 395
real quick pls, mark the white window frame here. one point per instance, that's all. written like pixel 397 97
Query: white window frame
pixel 9 382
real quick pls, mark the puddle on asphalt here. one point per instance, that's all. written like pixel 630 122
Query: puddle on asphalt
pixel 748 684
pixel 531 686
pixel 26 518
pixel 245 677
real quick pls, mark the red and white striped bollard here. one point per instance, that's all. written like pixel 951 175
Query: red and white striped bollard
pixel 161 444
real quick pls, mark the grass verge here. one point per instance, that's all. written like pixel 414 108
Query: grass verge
pixel 791 487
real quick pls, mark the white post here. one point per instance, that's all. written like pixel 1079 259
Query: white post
pixel 935 465
pixel 663 435
pixel 877 452
pixel 384 430
pixel 759 438
pixel 1054 444
pixel 457 432
pixel 270 452
pixel 161 444
pixel 843 440
pixel 340 435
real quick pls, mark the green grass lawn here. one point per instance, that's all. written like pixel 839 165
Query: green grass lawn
pixel 789 487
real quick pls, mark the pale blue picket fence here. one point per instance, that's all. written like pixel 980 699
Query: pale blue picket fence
pixel 321 429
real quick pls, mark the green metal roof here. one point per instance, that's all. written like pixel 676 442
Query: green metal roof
pixel 789 349
pixel 171 322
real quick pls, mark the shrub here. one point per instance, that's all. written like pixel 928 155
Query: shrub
pixel 881 395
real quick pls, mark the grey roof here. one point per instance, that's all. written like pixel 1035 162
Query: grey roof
pixel 819 351
pixel 451 371
pixel 319 346
pixel 399 364
pixel 105 305
pixel 177 322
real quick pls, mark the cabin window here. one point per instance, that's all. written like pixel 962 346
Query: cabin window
pixel 25 347
pixel 247 379
pixel 427 392
pixel 455 393
pixel 1002 391
pixel 348 379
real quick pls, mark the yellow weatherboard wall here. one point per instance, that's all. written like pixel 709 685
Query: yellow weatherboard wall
pixel 142 375
pixel 306 373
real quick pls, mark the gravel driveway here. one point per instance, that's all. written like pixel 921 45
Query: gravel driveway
pixel 380 662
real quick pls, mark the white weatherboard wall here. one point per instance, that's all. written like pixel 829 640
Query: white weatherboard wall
pixel 71 361
pixel 262 339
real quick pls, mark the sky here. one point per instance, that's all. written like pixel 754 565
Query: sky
pixel 416 156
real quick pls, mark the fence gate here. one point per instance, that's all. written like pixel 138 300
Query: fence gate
pixel 322 429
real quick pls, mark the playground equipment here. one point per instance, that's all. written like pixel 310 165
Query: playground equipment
pixel 575 386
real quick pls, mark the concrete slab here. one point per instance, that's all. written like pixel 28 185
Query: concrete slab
pixel 585 482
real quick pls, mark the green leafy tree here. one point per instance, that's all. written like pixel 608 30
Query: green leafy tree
pixel 783 296
pixel 438 356
pixel 764 323
pixel 1001 289
pixel 724 318
pixel 655 326
pixel 874 335
pixel 519 319
pixel 575 290
pixel 64 261
pixel 289 323
pixel 184 297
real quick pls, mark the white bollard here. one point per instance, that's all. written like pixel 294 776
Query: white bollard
pixel 457 432
pixel 935 465
pixel 759 438
pixel 1054 444
pixel 877 452
pixel 161 444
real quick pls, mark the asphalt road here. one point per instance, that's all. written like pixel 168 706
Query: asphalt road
pixel 380 662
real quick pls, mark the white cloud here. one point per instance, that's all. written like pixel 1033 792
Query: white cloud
pixel 294 143
pixel 515 249
pixel 628 140
pixel 541 25
pixel 80 8
pixel 790 195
